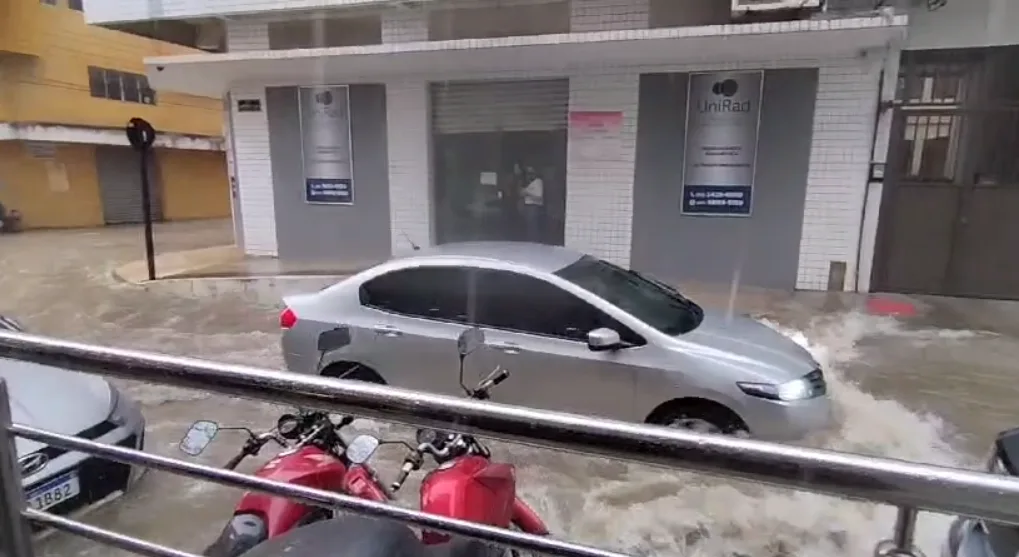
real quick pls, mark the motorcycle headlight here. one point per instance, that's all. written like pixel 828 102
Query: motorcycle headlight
pixel 797 389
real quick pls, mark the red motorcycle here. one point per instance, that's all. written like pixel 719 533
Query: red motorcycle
pixel 467 484
pixel 314 455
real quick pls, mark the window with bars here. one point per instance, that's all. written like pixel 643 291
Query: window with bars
pixel 120 86
pixel 76 5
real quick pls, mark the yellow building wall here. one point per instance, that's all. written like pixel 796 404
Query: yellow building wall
pixel 195 184
pixel 53 87
pixel 58 193
pixel 45 52
pixel 17 21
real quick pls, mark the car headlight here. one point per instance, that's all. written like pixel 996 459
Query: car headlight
pixel 797 389
pixel 119 408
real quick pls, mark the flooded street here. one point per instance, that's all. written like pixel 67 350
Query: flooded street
pixel 931 390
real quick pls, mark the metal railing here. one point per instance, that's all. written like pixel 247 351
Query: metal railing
pixel 911 487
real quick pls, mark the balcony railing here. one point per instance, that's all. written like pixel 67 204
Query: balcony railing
pixel 910 487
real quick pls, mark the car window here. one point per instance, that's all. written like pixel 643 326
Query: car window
pixel 507 300
pixel 430 292
pixel 645 298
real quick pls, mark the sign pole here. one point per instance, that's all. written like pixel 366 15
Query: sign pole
pixel 142 135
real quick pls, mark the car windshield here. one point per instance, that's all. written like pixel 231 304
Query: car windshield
pixel 645 298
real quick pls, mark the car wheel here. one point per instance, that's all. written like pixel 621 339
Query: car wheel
pixel 700 417
pixel 353 371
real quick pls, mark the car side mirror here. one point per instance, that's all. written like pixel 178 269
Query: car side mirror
pixel 603 339
pixel 333 339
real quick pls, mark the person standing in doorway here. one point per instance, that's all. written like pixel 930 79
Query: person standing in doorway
pixel 532 197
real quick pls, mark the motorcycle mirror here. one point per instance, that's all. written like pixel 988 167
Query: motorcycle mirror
pixel 361 448
pixel 427 436
pixel 333 339
pixel 469 341
pixel 288 426
pixel 1006 447
pixel 199 435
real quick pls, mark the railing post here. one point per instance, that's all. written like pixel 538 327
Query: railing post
pixel 15 533
pixel 901 544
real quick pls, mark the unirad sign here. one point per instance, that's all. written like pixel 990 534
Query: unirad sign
pixel 723 114
pixel 325 145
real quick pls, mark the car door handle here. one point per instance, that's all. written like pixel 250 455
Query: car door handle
pixel 387 330
pixel 507 347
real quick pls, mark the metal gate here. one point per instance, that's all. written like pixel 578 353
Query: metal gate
pixel 494 106
pixel 121 188
pixel 948 223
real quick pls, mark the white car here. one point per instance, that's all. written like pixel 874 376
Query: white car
pixel 71 403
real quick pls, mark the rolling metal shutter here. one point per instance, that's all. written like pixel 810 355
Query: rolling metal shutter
pixel 121 187
pixel 493 106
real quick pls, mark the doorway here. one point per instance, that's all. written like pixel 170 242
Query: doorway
pixel 499 153
pixel 479 177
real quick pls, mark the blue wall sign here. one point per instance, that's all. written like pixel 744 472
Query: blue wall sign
pixel 329 190
pixel 722 118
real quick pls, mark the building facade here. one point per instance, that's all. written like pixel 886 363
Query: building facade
pixel 687 138
pixel 67 89
pixel 951 191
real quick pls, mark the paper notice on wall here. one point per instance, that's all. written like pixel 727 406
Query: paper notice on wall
pixel 489 179
pixel 56 176
pixel 595 135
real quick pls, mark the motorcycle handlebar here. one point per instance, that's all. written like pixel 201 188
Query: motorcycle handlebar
pixel 236 460
pixel 498 376
pixel 408 467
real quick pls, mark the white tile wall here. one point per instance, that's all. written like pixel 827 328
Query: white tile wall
pixel 406 24
pixel 247 34
pixel 254 174
pixel 251 145
pixel 607 15
pixel 837 177
pixel 409 132
pixel 599 178
pixel 600 170
pixel 408 129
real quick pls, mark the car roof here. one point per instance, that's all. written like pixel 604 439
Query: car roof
pixel 539 257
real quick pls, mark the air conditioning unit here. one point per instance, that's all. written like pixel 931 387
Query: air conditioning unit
pixel 741 7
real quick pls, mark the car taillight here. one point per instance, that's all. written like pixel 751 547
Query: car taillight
pixel 288 319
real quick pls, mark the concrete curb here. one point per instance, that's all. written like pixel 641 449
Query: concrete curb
pixel 266 291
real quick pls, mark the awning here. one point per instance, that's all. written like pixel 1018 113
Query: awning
pixel 213 74
pixel 64 133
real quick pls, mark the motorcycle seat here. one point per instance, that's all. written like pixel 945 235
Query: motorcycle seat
pixel 359 536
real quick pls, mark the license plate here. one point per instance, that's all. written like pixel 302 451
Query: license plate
pixel 54 492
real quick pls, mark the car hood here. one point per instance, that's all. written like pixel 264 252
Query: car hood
pixel 53 399
pixel 742 339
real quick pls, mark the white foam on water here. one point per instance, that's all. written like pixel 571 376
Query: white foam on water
pixel 648 510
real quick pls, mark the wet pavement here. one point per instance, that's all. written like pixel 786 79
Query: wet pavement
pixel 934 388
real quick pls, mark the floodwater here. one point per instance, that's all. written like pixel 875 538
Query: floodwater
pixel 924 391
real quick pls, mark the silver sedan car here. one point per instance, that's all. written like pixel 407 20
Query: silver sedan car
pixel 578 334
